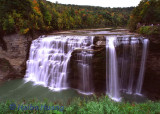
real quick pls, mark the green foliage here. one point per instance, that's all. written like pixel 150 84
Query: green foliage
pixel 30 16
pixel 149 30
pixel 8 24
pixel 92 106
pixel 146 13
pixel 106 105
pixel 145 30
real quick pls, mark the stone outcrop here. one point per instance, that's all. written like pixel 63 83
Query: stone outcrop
pixel 13 58
pixel 97 66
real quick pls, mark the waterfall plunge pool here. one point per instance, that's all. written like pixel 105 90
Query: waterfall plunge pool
pixel 19 90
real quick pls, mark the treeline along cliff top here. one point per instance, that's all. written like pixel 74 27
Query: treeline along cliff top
pixel 30 16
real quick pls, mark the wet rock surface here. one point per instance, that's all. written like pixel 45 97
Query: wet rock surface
pixel 97 67
pixel 151 86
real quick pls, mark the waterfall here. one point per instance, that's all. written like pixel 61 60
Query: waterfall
pixel 50 63
pixel 49 58
pixel 142 68
pixel 85 69
pixel 121 67
pixel 124 64
pixel 85 72
pixel 113 84
pixel 132 66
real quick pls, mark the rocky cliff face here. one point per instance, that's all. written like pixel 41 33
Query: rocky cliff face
pixel 97 67
pixel 151 86
pixel 13 58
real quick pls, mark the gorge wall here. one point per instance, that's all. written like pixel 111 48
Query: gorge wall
pixel 14 51
pixel 151 86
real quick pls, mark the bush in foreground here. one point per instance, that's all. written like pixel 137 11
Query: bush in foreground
pixel 93 106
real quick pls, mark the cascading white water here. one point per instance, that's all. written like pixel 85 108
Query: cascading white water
pixel 124 71
pixel 124 64
pixel 84 64
pixel 113 84
pixel 85 72
pixel 142 68
pixel 128 63
pixel 132 65
pixel 49 58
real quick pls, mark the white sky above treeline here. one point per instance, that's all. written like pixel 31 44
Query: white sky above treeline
pixel 102 3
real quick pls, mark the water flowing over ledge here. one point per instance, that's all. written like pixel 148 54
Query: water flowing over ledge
pixel 49 57
pixel 113 81
pixel 49 63
pixel 123 77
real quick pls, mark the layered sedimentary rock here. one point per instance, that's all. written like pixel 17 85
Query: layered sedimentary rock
pixel 13 57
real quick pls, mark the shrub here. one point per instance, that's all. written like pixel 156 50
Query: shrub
pixel 149 30
pixel 8 24
pixel 94 105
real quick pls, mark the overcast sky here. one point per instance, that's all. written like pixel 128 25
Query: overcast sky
pixel 103 3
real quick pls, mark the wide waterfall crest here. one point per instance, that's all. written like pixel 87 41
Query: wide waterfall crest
pixel 57 61
pixel 49 58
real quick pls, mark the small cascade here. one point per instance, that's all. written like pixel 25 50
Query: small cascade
pixel 124 68
pixel 92 41
pixel 84 65
pixel 49 58
pixel 142 68
pixel 132 65
pixel 113 82
pixel 127 61
pixel 85 72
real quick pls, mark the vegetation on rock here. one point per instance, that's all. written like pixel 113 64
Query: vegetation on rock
pixel 149 30
pixel 146 17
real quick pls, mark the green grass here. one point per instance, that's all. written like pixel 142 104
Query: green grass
pixel 93 106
